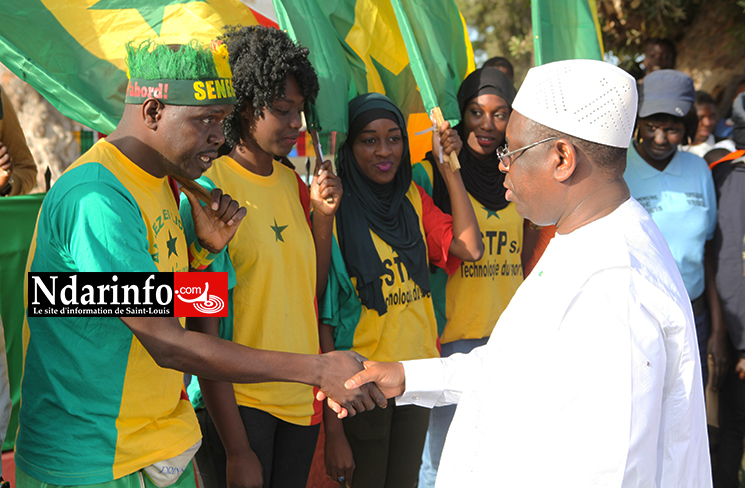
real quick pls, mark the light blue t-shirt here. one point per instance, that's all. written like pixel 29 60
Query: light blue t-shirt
pixel 682 202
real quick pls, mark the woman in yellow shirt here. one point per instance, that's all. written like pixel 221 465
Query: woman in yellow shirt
pixel 266 434
pixel 378 300
pixel 486 286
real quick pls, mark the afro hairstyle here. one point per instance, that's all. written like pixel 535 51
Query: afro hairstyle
pixel 152 61
pixel 261 59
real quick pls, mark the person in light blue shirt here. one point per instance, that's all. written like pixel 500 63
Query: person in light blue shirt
pixel 677 190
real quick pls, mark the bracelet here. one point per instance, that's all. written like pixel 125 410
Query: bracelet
pixel 200 258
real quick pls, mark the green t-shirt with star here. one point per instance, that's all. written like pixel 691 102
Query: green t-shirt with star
pixel 94 404
pixel 271 266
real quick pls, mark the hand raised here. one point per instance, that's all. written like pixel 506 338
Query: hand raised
pixel 217 223
pixel 449 139
pixel 445 141
pixel 325 190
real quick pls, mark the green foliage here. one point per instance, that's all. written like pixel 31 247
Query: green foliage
pixel 153 61
pixel 503 28
pixel 628 25
pixel 737 30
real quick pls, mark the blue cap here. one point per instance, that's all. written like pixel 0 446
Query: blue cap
pixel 666 91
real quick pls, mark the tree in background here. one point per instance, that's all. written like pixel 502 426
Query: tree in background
pixel 709 35
pixel 503 28
pixel 628 24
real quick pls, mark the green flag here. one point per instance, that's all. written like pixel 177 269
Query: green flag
pixel 72 51
pixel 19 220
pixel 356 47
pixel 566 30
pixel 439 51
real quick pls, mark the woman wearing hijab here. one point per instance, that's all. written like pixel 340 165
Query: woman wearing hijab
pixel 469 302
pixel 378 299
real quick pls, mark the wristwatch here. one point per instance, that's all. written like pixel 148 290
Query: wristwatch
pixel 5 190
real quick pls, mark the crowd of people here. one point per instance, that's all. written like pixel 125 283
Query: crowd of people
pixel 576 362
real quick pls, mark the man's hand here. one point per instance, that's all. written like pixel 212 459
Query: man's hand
pixel 716 348
pixel 6 165
pixel 740 369
pixel 388 377
pixel 325 190
pixel 339 458
pixel 215 225
pixel 336 367
pixel 244 471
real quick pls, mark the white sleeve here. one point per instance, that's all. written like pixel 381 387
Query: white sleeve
pixel 440 381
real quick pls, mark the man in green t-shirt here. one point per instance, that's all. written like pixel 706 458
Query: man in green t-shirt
pixel 102 399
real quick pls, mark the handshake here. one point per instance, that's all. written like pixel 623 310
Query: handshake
pixel 351 384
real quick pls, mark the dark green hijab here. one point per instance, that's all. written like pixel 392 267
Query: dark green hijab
pixel 382 208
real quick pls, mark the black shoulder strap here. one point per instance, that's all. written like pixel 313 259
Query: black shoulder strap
pixel 720 173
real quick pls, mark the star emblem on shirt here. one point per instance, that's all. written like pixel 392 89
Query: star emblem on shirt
pixel 491 213
pixel 171 244
pixel 278 231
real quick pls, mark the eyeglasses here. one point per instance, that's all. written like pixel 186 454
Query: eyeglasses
pixel 504 157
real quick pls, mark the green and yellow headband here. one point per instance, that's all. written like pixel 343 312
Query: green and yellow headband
pixel 216 91
pixel 205 90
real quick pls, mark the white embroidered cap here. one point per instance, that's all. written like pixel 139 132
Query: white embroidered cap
pixel 587 99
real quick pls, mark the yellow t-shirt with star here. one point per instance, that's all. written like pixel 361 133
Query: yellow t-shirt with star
pixel 272 299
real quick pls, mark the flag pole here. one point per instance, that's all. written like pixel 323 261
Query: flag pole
pixel 420 74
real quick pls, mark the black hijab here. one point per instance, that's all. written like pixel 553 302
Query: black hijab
pixel 382 208
pixel 482 179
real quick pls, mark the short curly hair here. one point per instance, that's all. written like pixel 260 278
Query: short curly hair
pixel 261 59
